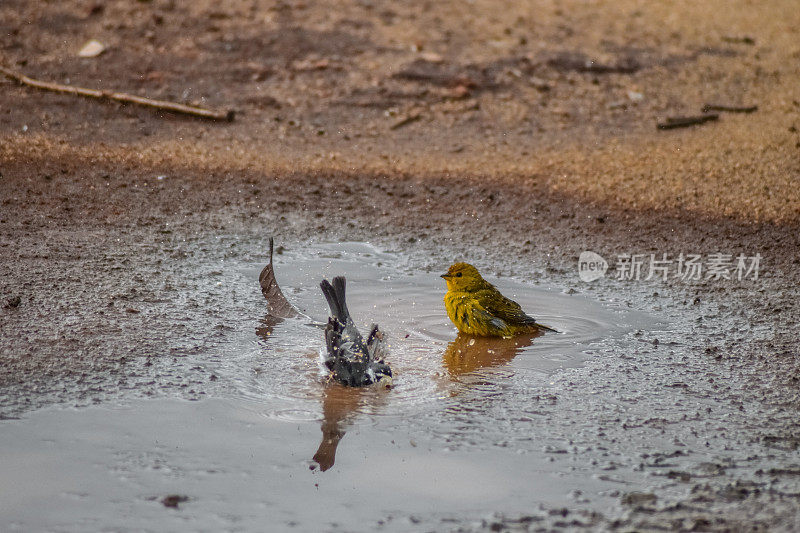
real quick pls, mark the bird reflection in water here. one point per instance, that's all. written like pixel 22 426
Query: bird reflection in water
pixel 467 353
pixel 340 406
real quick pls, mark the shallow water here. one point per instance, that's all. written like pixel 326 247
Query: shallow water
pixel 430 361
pixel 464 431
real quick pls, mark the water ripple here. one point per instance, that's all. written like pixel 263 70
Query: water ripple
pixel 278 363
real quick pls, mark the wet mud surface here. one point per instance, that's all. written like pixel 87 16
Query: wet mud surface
pixel 141 377
pixel 649 411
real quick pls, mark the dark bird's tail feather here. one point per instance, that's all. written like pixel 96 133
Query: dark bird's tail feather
pixel 339 286
pixel 335 294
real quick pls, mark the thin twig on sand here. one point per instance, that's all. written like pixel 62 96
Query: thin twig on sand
pixel 729 108
pixel 685 122
pixel 119 97
pixel 413 117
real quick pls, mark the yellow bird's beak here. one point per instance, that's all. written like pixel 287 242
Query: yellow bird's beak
pixel 445 276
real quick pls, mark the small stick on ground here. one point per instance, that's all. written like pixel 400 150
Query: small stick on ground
pixel 729 108
pixel 685 122
pixel 740 40
pixel 119 97
pixel 413 117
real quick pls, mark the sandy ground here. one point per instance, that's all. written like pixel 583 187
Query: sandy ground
pixel 513 134
pixel 566 94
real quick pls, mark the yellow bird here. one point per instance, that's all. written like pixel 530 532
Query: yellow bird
pixel 476 307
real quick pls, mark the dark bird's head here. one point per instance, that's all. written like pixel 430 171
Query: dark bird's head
pixel 379 372
pixel 463 277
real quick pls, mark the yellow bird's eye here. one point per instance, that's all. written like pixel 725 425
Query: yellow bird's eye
pixel 458 275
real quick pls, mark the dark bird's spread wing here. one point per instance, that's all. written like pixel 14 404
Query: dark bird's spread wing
pixel 279 306
pixel 375 344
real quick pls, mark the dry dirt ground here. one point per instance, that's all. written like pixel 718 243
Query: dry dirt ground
pixel 518 132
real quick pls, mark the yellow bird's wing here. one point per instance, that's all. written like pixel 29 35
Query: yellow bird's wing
pixel 503 308
pixel 488 324
pixel 470 316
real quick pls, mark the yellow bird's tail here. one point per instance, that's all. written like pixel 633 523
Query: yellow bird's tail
pixel 547 328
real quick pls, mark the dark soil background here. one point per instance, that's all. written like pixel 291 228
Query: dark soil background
pixel 514 134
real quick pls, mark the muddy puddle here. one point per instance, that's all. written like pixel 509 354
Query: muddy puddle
pixel 455 437
pixel 431 362
pixel 517 427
